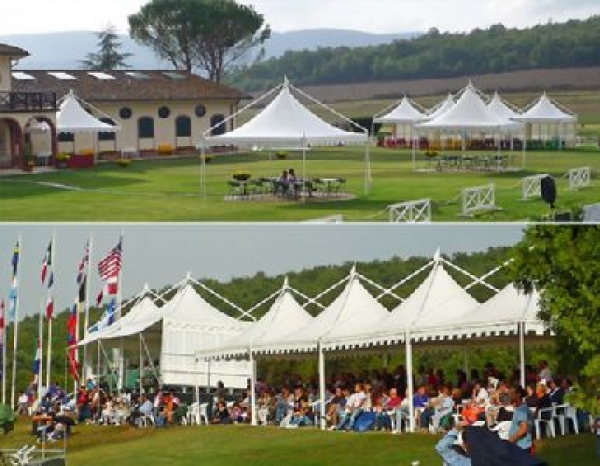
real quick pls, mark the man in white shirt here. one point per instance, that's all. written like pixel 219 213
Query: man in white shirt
pixel 354 408
pixel 545 373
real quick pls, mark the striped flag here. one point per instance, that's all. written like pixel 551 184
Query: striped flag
pixel 37 360
pixel 49 308
pixel 15 259
pixel 47 262
pixel 12 299
pixel 107 318
pixel 110 266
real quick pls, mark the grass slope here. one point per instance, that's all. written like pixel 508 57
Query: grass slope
pixel 227 445
pixel 168 190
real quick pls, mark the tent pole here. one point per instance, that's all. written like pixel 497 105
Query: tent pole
pixel 466 360
pixel 414 146
pixel 304 165
pixel 141 365
pixel 202 170
pixel 368 176
pixel 409 382
pixel 522 352
pixel 253 417
pixel 322 393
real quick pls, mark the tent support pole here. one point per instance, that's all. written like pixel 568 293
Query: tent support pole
pixel 409 382
pixel 253 411
pixel 203 170
pixel 141 369
pixel 522 352
pixel 322 387
pixel 466 360
pixel 368 175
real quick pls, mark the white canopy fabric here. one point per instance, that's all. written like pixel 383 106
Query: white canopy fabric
pixel 469 112
pixel 285 122
pixel 283 319
pixel 501 108
pixel 405 112
pixel 499 316
pixel 72 118
pixel 546 111
pixel 442 107
pixel 438 300
pixel 190 324
pixel 353 309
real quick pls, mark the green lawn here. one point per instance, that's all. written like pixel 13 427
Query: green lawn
pixel 168 190
pixel 227 445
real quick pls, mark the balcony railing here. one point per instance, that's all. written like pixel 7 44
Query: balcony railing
pixel 25 102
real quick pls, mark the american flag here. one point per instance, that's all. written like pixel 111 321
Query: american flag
pixel 110 266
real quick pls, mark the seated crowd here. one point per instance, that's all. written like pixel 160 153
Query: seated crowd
pixel 368 401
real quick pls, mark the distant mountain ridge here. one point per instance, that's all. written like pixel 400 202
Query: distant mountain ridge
pixel 66 50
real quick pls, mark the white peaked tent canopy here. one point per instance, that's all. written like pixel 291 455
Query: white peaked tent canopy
pixel 283 319
pixel 500 315
pixel 469 113
pixel 190 325
pixel 346 315
pixel 404 112
pixel 502 109
pixel 546 111
pixel 286 123
pixel 72 118
pixel 442 107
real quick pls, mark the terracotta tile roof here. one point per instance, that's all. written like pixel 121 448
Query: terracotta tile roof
pixel 13 51
pixel 127 85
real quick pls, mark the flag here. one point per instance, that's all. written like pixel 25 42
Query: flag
pixel 12 297
pixel 110 266
pixel 51 280
pixel 82 273
pixel 49 308
pixel 47 262
pixel 37 360
pixel 2 342
pixel 15 259
pixel 72 342
pixel 112 286
pixel 100 297
pixel 107 319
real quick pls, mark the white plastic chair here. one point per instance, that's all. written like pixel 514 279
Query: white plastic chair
pixel 564 413
pixel 549 423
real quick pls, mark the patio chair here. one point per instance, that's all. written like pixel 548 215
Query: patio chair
pixel 235 189
pixel 542 417
pixel 146 420
pixel 564 413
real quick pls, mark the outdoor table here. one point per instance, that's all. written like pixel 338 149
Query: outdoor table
pixel 330 184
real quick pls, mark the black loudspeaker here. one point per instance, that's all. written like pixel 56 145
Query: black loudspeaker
pixel 548 189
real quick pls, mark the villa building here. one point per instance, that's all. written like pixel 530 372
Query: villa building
pixel 155 110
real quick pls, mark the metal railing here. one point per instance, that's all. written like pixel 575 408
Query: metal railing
pixel 22 102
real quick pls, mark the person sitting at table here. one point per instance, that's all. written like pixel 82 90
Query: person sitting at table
pixel 282 184
pixel 292 181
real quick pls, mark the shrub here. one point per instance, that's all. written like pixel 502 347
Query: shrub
pixel 281 155
pixel 166 149
pixel 86 152
pixel 124 163
pixel 206 158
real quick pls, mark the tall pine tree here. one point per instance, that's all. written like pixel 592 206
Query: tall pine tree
pixel 108 56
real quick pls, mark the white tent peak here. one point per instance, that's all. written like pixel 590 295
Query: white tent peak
pixel 442 107
pixel 544 110
pixel 437 257
pixel 405 111
pixel 501 108
pixel 72 118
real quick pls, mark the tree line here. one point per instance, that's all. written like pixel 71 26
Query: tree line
pixel 497 49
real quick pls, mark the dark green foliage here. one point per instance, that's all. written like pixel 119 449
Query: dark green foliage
pixel 108 56
pixel 209 35
pixel 437 55
pixel 564 262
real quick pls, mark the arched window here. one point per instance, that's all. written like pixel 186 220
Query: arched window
pixel 146 127
pixel 107 136
pixel 183 127
pixel 214 121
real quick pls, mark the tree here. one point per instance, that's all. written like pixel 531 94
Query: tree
pixel 108 56
pixel 211 35
pixel 563 262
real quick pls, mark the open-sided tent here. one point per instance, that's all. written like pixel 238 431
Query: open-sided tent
pixel 502 108
pixel 72 118
pixel 441 107
pixel 190 324
pixel 545 112
pixel 404 113
pixel 286 123
pixel 283 319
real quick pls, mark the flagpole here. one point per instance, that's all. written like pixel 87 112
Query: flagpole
pixel 16 327
pixel 50 316
pixel 39 347
pixel 86 310
pixel 3 304
pixel 121 383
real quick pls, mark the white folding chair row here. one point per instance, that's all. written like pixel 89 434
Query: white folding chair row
pixel 197 414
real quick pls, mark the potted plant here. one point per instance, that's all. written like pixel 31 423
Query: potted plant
pixel 281 155
pixel 62 160
pixel 206 158
pixel 241 176
pixel 123 163
pixel 82 159
pixel 166 149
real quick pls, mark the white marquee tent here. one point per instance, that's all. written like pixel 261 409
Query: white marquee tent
pixel 442 107
pixel 190 325
pixel 72 118
pixel 286 123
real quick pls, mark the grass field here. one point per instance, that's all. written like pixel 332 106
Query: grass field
pixel 227 445
pixel 168 190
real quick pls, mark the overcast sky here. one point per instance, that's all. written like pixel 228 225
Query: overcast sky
pixel 161 255
pixel 34 16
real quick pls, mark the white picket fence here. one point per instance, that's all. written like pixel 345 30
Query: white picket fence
pixel 532 186
pixel 477 199
pixel 411 212
pixel 580 177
